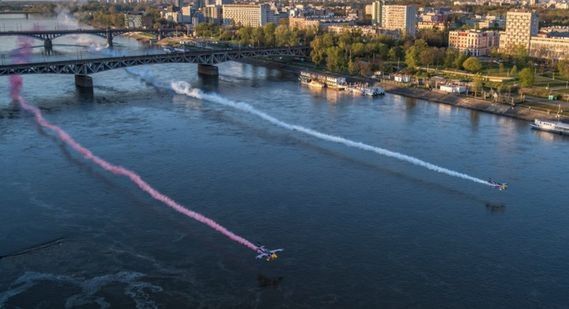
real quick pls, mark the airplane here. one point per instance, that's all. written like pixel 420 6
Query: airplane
pixel 267 254
pixel 497 185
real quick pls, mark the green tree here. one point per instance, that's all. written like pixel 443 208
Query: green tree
pixel 258 37
pixel 335 59
pixel 477 86
pixel 395 53
pixel 527 77
pixel 319 46
pixel 514 71
pixel 365 68
pixel 501 68
pixel 521 57
pixel 269 34
pixel 225 35
pixel 412 57
pixel 433 37
pixel 358 49
pixel 293 37
pixel 281 35
pixel 450 57
pixel 472 64
pixel 563 67
pixel 428 56
pixel 353 67
pixel 460 60
pixel 244 34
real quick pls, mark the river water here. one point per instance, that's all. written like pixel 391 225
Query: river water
pixel 359 230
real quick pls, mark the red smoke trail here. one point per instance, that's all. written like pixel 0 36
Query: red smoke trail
pixel 16 84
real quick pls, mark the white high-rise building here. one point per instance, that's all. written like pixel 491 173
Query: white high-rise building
pixel 399 17
pixel 520 27
pixel 376 7
pixel 247 14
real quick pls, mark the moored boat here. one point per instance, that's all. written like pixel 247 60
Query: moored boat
pixel 304 80
pixel 374 91
pixel 316 84
pixel 555 127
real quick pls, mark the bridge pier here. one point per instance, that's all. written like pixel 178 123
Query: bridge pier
pixel 109 38
pixel 48 46
pixel 208 70
pixel 83 81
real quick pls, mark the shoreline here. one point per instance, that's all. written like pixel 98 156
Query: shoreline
pixel 520 112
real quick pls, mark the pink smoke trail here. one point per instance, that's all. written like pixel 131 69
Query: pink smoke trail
pixel 16 84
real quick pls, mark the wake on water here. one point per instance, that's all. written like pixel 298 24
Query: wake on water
pixel 185 88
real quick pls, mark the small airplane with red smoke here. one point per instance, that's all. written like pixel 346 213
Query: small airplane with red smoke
pixel 267 254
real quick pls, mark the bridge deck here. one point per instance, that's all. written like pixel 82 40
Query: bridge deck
pixel 53 34
pixel 94 65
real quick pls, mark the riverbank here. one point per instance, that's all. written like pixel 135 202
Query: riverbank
pixel 523 112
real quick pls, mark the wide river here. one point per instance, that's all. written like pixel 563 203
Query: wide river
pixel 358 229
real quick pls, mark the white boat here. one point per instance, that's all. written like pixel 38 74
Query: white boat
pixel 304 80
pixel 555 127
pixel 374 91
pixel 365 90
pixel 354 90
pixel 316 84
pixel 338 83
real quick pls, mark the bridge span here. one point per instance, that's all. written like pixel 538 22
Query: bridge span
pixel 48 35
pixel 205 60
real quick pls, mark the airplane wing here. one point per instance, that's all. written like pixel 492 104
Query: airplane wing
pixel 277 250
pixel 260 256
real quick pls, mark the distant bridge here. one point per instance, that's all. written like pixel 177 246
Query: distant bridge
pixel 205 59
pixel 27 13
pixel 48 35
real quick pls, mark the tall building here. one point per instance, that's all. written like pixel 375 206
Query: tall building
pixel 473 42
pixel 376 12
pixel 399 17
pixel 246 14
pixel 213 14
pixel 520 27
pixel 198 4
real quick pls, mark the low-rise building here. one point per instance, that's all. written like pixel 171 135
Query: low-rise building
pixel 450 88
pixel 549 47
pixel 402 78
pixel 368 9
pixel 175 17
pixel 491 22
pixel 473 42
pixel 133 21
pixel 365 30
pixel 303 23
pixel 432 20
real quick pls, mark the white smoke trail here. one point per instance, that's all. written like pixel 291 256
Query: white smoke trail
pixel 182 87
